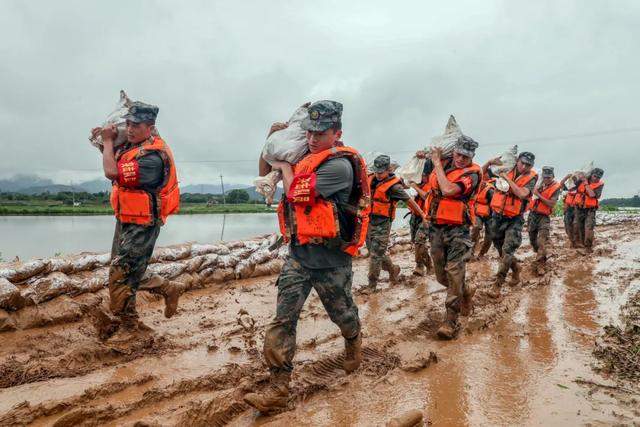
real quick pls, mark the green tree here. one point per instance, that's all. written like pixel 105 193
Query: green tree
pixel 237 196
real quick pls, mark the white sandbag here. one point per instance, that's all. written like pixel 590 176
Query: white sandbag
pixel 228 261
pixel 268 268
pixel 25 271
pixel 289 144
pixel 577 175
pixel 447 141
pixel 267 185
pixel 115 118
pixel 194 264
pixel 210 260
pixel 99 279
pixel 63 265
pixel 412 170
pixel 508 161
pixel 237 244
pixel 10 297
pixel 168 271
pixel 84 263
pixel 171 253
pixel 51 286
pixel 198 249
pixel 370 156
pixel 244 269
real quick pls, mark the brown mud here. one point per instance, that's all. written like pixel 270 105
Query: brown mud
pixel 526 359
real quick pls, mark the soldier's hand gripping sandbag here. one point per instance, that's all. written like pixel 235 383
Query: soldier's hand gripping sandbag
pixel 506 163
pixel 578 175
pixel 286 144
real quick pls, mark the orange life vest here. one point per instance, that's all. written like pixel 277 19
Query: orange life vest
pixel 136 206
pixel 570 198
pixel 381 203
pixel 314 220
pixel 450 210
pixel 507 204
pixel 583 200
pixel 482 199
pixel 539 206
pixel 426 187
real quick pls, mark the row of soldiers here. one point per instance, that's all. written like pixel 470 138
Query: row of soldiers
pixel 331 207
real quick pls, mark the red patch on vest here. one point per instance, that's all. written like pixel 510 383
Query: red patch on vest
pixel 303 189
pixel 128 173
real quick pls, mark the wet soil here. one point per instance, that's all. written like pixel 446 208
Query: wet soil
pixel 525 359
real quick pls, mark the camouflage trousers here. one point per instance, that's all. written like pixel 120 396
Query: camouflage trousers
pixel 333 286
pixel 481 223
pixel 451 249
pixel 420 240
pixel 539 227
pixel 378 242
pixel 569 218
pixel 506 234
pixel 584 225
pixel 130 253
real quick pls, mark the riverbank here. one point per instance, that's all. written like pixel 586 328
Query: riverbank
pixel 53 209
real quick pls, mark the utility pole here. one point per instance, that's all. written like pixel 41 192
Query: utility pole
pixel 224 201
pixel 73 194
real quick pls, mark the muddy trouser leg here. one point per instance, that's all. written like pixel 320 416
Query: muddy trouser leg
pixel 533 228
pixel 129 262
pixel 486 240
pixel 294 285
pixel 475 231
pixel 458 249
pixel 569 215
pixel 511 230
pixel 333 286
pixel 544 229
pixel 422 247
pixel 589 226
pixel 439 254
pixel 498 227
pixel 578 226
pixel 378 241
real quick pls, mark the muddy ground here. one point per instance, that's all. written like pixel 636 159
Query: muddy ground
pixel 527 359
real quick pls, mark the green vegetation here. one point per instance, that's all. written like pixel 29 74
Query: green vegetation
pixel 98 204
pixel 630 202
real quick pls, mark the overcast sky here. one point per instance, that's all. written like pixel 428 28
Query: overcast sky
pixel 221 72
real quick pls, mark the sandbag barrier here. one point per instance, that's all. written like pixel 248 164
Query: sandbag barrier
pixel 39 286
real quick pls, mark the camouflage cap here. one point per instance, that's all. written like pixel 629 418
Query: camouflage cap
pixel 527 158
pixel 139 112
pixel 547 172
pixel 597 172
pixel 466 146
pixel 322 116
pixel 381 163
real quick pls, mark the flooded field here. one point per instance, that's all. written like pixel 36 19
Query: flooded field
pixel 525 359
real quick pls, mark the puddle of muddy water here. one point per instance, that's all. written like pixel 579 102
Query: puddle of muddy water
pixel 519 372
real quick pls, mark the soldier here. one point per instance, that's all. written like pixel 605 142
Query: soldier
pixel 539 221
pixel 570 213
pixel 587 203
pixel 386 190
pixel 145 192
pixel 507 218
pixel 449 209
pixel 419 229
pixel 483 209
pixel 324 216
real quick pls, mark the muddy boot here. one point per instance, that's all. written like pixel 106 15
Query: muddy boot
pixel 394 275
pixel 466 306
pixel 371 287
pixel 352 353
pixel 449 328
pixel 496 287
pixel 275 398
pixel 419 271
pixel 105 324
pixel 515 273
pixel 171 292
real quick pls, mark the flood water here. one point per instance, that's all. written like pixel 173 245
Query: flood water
pixel 43 236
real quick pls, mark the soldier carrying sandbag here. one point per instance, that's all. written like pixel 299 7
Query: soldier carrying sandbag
pixel 145 192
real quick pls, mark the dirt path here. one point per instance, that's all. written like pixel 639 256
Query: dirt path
pixel 517 361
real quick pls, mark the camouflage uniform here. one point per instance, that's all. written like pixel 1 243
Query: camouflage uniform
pixel 569 219
pixel 482 223
pixel 333 286
pixel 451 249
pixel 506 234
pixel 539 227
pixel 420 240
pixel 584 225
pixel 378 242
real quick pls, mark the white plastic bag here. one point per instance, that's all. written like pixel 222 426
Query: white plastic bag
pixel 289 144
pixel 577 175
pixel 447 141
pixel 412 170
pixel 508 159
pixel 115 118
pixel 267 185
